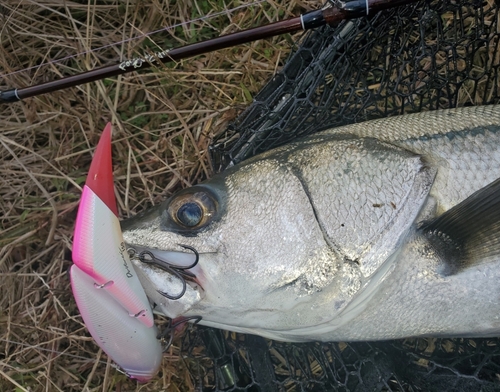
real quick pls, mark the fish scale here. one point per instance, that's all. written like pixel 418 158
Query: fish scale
pixel 465 142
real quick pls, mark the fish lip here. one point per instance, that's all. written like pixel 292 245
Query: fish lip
pixel 172 292
pixel 184 266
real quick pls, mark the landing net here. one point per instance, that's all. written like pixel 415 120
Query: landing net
pixel 426 56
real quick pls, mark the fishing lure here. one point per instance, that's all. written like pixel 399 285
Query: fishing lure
pixel 108 293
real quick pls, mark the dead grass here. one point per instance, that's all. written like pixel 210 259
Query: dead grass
pixel 164 120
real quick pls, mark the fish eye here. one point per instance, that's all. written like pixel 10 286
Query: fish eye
pixel 192 210
pixel 189 214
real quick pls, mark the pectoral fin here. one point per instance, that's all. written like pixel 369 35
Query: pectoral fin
pixel 469 233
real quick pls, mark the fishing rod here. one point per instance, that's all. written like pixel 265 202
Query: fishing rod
pixel 335 12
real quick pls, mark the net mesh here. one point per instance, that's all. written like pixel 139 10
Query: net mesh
pixel 250 363
pixel 419 57
pixel 425 56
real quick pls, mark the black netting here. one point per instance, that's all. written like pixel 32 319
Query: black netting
pixel 233 362
pixel 420 57
pixel 424 56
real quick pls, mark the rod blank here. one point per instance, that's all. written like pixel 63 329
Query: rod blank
pixel 329 15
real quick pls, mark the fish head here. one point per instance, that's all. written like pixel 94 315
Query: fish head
pixel 261 249
pixel 289 241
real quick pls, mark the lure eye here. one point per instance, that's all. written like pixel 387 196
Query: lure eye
pixel 192 210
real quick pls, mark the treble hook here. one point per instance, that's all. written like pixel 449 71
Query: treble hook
pixel 195 261
pixel 179 272
pixel 169 329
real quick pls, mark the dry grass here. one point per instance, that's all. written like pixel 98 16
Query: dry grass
pixel 164 120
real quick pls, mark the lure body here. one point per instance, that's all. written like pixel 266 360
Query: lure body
pixel 108 293
pixel 100 252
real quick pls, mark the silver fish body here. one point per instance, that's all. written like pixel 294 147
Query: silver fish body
pixel 379 230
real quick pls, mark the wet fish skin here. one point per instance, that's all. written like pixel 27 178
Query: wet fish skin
pixel 329 238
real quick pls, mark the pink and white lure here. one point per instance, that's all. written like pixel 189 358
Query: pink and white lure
pixel 106 288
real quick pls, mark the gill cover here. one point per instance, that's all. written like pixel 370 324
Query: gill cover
pixel 108 293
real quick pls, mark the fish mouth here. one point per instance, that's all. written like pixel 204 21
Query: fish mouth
pixel 182 265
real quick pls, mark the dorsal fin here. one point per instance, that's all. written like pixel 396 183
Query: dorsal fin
pixel 469 233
